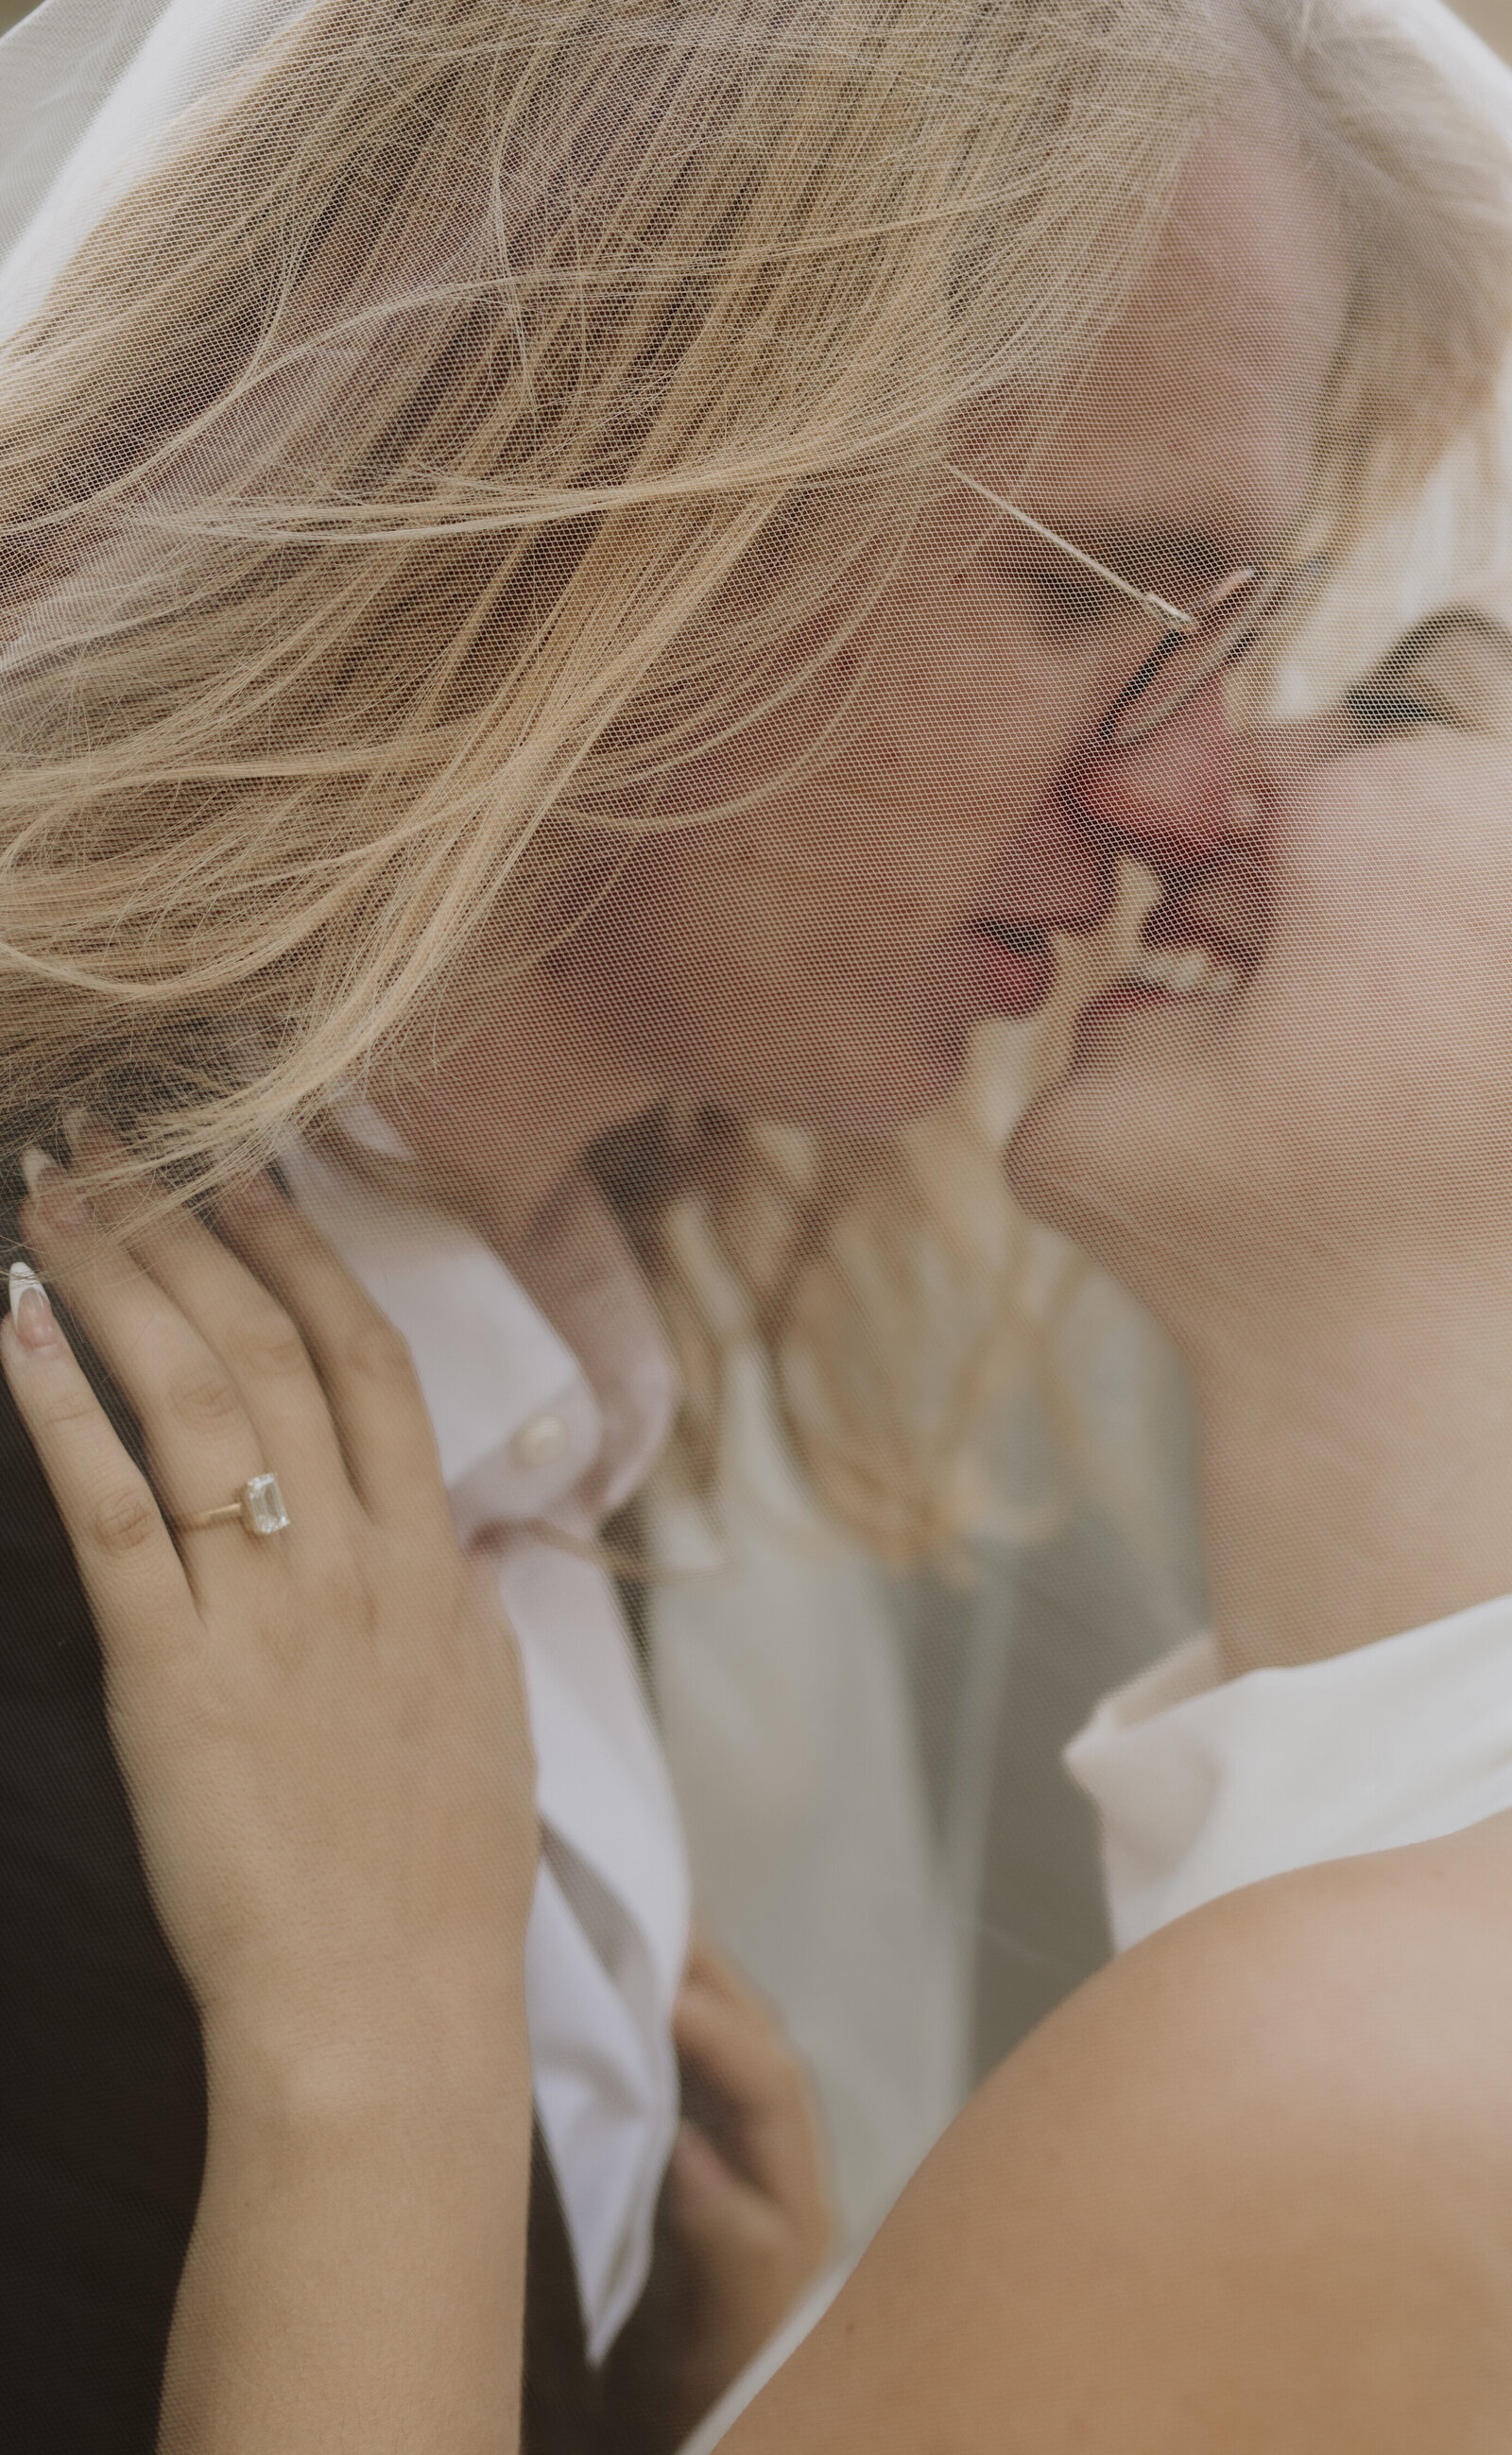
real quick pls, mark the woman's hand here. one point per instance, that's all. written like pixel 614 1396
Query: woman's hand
pixel 322 1729
pixel 324 1742
pixel 749 2205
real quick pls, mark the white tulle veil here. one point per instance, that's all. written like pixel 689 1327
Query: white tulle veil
pixel 861 1695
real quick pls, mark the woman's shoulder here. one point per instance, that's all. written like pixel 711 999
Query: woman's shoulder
pixel 1362 1973
pixel 1295 2112
pixel 1249 2189
pixel 1353 2016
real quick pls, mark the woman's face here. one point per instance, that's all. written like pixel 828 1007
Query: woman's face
pixel 1336 1097
pixel 824 957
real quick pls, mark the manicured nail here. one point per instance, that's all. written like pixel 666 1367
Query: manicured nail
pixel 60 1204
pixel 36 1325
pixel 75 1125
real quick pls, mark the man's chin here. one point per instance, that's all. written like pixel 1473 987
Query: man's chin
pixel 870 1102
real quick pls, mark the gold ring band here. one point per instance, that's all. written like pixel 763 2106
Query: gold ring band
pixel 258 1508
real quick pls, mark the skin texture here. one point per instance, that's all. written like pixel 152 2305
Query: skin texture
pixel 807 961
pixel 324 1738
pixel 1309 1183
pixel 1222 2199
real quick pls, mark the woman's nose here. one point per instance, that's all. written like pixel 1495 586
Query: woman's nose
pixel 1171 798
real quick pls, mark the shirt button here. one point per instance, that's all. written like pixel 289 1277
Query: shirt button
pixel 538 1443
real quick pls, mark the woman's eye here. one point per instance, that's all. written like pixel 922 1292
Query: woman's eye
pixel 1380 714
pixel 1454 669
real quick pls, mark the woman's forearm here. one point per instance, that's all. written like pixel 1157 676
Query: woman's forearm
pixel 327 1753
pixel 355 2274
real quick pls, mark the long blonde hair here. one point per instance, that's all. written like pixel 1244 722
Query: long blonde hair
pixel 378 480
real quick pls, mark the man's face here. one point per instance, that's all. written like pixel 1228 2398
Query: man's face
pixel 824 957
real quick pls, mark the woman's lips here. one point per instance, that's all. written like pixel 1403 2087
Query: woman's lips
pixel 1010 970
pixel 1171 973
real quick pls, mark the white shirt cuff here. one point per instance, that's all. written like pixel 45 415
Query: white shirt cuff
pixel 1202 1785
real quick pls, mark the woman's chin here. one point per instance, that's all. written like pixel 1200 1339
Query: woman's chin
pixel 1047 1168
pixel 1113 1161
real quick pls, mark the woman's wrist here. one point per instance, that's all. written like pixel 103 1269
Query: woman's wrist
pixel 356 2273
pixel 341 2065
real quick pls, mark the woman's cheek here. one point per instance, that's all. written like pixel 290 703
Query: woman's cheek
pixel 1384 1057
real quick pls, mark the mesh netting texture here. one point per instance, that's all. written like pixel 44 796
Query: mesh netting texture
pixel 802 706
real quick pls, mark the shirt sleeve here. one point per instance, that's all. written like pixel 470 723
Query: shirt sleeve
pixel 1204 1784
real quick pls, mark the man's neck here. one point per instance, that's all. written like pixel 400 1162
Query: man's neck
pixel 502 1120
pixel 1356 1458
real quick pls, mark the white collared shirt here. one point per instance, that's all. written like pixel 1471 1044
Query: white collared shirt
pixel 1204 1784
pixel 527 1438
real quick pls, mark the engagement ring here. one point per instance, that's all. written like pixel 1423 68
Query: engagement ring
pixel 258 1507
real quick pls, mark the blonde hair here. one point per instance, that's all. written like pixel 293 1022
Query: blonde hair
pixel 463 422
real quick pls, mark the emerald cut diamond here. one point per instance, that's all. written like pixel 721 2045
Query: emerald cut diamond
pixel 262 1509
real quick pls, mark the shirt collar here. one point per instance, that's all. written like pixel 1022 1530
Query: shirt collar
pixel 527 1427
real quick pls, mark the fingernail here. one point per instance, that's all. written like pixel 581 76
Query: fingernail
pixel 60 1204
pixel 36 1325
pixel 75 1125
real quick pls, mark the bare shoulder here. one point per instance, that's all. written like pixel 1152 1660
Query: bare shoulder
pixel 1369 1996
pixel 1306 2092
pixel 1249 2190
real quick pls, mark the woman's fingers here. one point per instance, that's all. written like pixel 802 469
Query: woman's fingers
pixel 246 1327
pixel 325 1379
pixel 708 1967
pixel 748 2202
pixel 739 2236
pixel 736 2050
pixel 364 1362
pixel 200 1441
pixel 322 1734
pixel 134 1579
